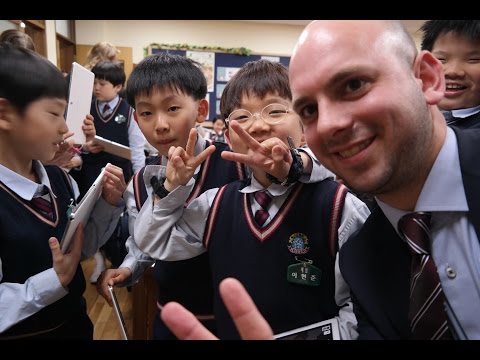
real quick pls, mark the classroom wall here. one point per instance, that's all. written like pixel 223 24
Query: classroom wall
pixel 267 39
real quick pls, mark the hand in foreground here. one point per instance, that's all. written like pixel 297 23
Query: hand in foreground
pixel 249 322
pixel 272 155
pixel 65 265
pixel 113 184
pixel 111 277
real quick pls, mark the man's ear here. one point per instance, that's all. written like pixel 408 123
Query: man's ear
pixel 202 111
pixel 429 70
pixel 7 114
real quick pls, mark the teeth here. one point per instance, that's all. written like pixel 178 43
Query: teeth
pixel 353 151
pixel 454 87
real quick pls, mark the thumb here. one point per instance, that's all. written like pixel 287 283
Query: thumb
pixel 55 249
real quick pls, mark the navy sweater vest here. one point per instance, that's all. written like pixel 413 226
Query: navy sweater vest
pixel 24 251
pixel 239 248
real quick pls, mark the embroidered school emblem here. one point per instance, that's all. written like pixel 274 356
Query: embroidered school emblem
pixel 298 244
pixel 119 119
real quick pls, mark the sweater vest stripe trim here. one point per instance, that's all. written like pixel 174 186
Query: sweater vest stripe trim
pixel 33 211
pixel 213 216
pixel 337 210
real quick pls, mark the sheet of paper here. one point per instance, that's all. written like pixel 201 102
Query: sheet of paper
pixel 113 147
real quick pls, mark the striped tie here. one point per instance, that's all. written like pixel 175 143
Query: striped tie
pixel 263 199
pixel 43 206
pixel 106 110
pixel 428 319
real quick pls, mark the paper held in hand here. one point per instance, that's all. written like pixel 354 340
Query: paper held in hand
pixel 79 100
pixel 81 212
pixel 113 147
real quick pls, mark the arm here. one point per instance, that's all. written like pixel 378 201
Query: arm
pixel 164 230
pixel 136 141
pixel 135 262
pixel 355 212
pixel 106 213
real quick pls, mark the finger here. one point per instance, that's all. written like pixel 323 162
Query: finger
pixel 192 140
pixel 280 155
pixel 200 158
pixel 249 322
pixel 55 249
pixel 245 136
pixel 183 323
pixel 241 158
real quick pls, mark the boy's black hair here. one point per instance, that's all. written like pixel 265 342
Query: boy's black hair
pixel 432 29
pixel 167 71
pixel 26 76
pixel 255 78
pixel 110 71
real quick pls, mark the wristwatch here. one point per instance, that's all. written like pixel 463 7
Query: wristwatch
pixel 159 187
pixel 296 169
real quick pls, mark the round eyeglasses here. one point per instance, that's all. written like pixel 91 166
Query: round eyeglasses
pixel 272 114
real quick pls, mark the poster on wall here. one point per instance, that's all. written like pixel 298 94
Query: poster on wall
pixel 226 73
pixel 207 60
pixel 220 88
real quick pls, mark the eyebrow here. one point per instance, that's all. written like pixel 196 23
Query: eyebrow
pixel 336 78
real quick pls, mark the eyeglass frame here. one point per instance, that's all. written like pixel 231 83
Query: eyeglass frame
pixel 258 114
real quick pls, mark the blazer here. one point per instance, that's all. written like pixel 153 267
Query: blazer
pixel 375 261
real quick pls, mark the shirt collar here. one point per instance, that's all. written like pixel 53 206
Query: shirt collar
pixel 445 178
pixel 112 103
pixel 463 113
pixel 23 187
pixel 273 189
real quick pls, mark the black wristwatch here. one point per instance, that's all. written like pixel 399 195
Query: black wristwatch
pixel 159 187
pixel 296 169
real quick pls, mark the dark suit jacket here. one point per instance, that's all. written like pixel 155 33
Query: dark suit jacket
pixel 375 261
pixel 470 122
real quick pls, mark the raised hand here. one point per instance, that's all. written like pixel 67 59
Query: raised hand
pixel 88 128
pixel 113 184
pixel 272 155
pixel 182 162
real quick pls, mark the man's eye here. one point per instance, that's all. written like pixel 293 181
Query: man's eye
pixel 354 85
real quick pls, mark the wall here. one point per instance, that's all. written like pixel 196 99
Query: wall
pixel 267 39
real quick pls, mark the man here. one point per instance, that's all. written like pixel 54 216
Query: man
pixel 368 103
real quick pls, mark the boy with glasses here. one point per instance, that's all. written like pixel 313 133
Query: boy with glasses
pixel 271 231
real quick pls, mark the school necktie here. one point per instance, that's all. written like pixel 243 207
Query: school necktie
pixel 428 319
pixel 106 110
pixel 263 199
pixel 42 205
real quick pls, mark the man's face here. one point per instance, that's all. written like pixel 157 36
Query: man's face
pixel 363 110
pixel 460 57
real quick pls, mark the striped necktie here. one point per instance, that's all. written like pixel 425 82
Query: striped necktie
pixel 428 319
pixel 264 200
pixel 42 205
pixel 106 110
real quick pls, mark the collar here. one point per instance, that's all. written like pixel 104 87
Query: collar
pixel 463 113
pixel 23 187
pixel 112 103
pixel 273 189
pixel 445 178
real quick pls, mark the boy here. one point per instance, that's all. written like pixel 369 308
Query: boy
pixel 41 288
pixel 267 247
pixel 217 133
pixel 169 96
pixel 456 43
pixel 113 120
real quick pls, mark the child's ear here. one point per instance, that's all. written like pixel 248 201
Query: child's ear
pixel 202 111
pixel 7 114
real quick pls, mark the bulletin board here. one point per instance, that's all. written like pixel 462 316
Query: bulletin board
pixel 219 68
